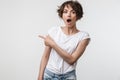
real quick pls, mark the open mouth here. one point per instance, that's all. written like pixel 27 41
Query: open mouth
pixel 69 20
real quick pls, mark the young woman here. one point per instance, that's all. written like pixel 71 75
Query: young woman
pixel 64 45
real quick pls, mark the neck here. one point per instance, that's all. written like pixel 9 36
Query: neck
pixel 70 30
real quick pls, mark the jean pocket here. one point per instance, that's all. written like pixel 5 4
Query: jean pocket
pixel 71 78
pixel 47 77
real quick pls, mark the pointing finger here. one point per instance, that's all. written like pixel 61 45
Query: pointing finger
pixel 41 37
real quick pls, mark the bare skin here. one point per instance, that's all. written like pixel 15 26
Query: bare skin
pixel 44 61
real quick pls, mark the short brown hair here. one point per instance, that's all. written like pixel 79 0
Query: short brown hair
pixel 75 5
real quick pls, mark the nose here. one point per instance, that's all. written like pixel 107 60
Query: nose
pixel 69 14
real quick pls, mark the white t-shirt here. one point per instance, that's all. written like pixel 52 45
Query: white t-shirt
pixel 69 43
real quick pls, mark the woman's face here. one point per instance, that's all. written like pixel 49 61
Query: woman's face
pixel 69 16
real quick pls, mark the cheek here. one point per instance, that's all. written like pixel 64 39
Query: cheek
pixel 75 17
pixel 63 17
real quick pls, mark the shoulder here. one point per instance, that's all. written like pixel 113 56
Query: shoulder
pixel 85 35
pixel 53 31
pixel 85 38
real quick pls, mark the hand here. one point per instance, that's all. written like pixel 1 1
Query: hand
pixel 47 40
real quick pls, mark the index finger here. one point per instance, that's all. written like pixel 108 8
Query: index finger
pixel 41 36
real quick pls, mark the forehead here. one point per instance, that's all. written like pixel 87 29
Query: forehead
pixel 68 7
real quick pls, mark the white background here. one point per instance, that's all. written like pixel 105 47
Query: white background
pixel 21 21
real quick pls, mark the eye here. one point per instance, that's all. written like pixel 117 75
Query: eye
pixel 65 11
pixel 73 12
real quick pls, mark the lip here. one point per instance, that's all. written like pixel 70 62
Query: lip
pixel 68 20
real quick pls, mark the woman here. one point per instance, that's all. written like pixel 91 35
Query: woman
pixel 64 45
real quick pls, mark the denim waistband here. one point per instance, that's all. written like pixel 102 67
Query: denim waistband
pixel 65 75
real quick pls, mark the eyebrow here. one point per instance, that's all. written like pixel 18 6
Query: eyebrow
pixel 67 9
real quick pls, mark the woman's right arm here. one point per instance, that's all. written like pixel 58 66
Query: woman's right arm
pixel 44 61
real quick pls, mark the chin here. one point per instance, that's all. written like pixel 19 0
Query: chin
pixel 70 26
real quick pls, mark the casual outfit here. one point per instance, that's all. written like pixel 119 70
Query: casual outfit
pixel 57 68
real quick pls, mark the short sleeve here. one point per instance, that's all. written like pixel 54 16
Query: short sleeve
pixel 85 36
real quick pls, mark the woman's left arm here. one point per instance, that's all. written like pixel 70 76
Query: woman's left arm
pixel 69 58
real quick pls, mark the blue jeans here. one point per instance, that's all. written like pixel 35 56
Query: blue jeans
pixel 48 75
